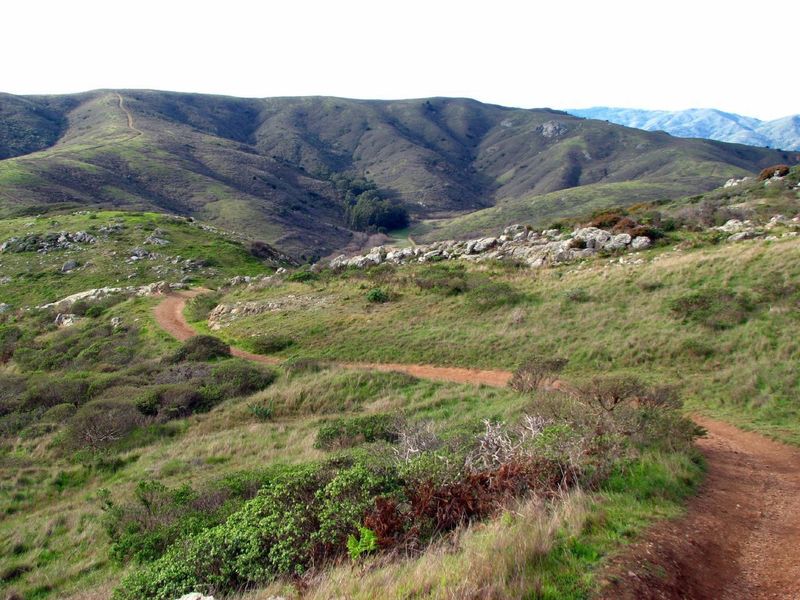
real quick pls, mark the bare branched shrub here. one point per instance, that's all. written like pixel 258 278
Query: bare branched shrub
pixel 531 374
pixel 661 397
pixel 100 423
pixel 415 438
pixel 609 392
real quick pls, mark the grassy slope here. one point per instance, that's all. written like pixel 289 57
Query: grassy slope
pixel 256 165
pixel 621 321
pixel 37 278
pixel 55 528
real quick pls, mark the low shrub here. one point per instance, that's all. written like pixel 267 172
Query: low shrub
pixel 445 279
pixel 45 391
pixel 579 295
pixel 490 295
pixel 377 296
pixel 239 378
pixel 93 345
pixel 9 337
pixel 713 308
pixel 100 423
pixel 608 392
pixel 297 366
pixel 302 275
pixel 270 343
pixel 532 373
pixel 202 348
pixel 347 432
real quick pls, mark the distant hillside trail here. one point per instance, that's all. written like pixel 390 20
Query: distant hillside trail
pixel 740 536
pixel 128 114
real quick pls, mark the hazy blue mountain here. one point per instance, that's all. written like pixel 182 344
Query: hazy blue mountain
pixel 706 123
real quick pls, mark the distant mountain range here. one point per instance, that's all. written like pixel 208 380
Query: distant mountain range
pixel 282 169
pixel 708 123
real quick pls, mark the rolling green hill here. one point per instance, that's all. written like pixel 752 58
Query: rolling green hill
pixel 265 166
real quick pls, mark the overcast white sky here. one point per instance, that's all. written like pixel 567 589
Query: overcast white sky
pixel 664 55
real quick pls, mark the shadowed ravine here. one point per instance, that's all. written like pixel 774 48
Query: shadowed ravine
pixel 740 536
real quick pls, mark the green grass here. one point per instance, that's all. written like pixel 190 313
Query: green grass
pixel 744 369
pixel 37 278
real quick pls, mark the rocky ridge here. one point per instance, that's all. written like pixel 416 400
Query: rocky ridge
pixel 536 249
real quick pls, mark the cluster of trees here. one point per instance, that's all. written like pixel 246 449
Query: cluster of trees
pixel 364 208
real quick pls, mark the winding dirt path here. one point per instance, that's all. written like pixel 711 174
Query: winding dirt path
pixel 169 315
pixel 739 539
pixel 128 114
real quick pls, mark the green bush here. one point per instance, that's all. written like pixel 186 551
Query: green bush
pixel 9 336
pixel 365 543
pixel 377 296
pixel 202 348
pixel 346 432
pixel 445 279
pixel 301 517
pixel 46 391
pixel 490 295
pixel 714 308
pixel 302 275
pixel 239 378
pixel 270 343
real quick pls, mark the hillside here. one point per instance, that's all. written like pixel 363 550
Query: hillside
pixel 433 427
pixel 269 167
pixel 46 258
pixel 705 123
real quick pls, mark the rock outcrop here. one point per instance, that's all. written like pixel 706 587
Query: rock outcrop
pixel 151 289
pixel 517 242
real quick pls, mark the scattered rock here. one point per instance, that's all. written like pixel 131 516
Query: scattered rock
pixel 151 289
pixel 68 266
pixel 748 234
pixel 640 242
pixel 195 596
pixel 4 308
pixel 66 319
pixel 116 322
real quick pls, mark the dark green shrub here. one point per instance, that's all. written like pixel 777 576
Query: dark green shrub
pixel 270 343
pixel 9 336
pixel 178 401
pixel 45 391
pixel 239 378
pixel 377 296
pixel 346 432
pixel 302 275
pixel 490 295
pixel 445 279
pixel 301 517
pixel 12 390
pixel 202 348
pixel 713 308
pixel 158 516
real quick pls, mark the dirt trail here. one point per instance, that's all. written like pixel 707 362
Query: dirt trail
pixel 128 114
pixel 740 537
pixel 169 314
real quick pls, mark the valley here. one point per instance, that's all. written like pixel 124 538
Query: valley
pixel 314 347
